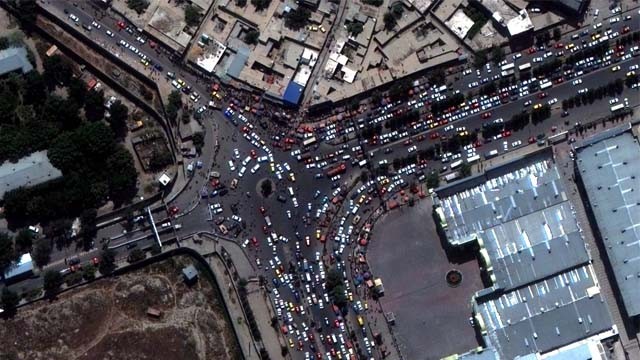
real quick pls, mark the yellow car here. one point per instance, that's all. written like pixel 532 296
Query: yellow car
pixel 181 82
pixel 631 73
pixel 537 106
pixel 317 234
pixel 615 68
pixel 290 343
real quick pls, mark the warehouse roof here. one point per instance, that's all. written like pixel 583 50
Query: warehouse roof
pixel 608 170
pixel 14 59
pixel 28 171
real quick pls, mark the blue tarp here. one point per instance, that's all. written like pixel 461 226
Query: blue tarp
pixel 293 93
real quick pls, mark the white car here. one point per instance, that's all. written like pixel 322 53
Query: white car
pixel 231 166
pixel 110 34
pixel 96 25
pixel 412 149
pixel 505 145
pixel 516 143
pixel 74 18
pixel 577 82
pixel 552 101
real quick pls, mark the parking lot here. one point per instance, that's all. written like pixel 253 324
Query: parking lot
pixel 431 317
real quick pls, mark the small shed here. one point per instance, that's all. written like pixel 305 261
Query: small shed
pixel 154 313
pixel 190 274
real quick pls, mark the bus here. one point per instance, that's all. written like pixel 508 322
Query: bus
pixel 472 159
pixel 524 67
pixel 617 107
pixel 456 164
pixel 491 154
pixel 545 84
pixel 309 141
pixel 508 67
pixel 507 73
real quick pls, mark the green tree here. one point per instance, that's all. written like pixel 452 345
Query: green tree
pixel 297 18
pixel 89 272
pixel 557 34
pixel 198 140
pixel 260 4
pixel 10 301
pixel 465 170
pixel 497 54
pixel 7 252
pixel 89 227
pixel 241 3
pixel 123 179
pixel 52 282
pixel 266 188
pixel 354 28
pixel 192 15
pixel 252 36
pixel 118 116
pixel 24 240
pixel 373 2
pixel 433 180
pixel 389 20
pixel 339 297
pixel 41 252
pixel 57 71
pixel 77 91
pixel 174 104
pixel 334 279
pixel 136 255
pixel 94 105
pixel 138 6
pixel 107 262
pixel 160 158
pixel 34 88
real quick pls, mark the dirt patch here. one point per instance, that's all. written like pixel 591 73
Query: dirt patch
pixel 107 320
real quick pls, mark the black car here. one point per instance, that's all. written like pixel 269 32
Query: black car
pixel 223 192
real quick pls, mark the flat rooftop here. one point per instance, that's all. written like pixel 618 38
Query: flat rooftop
pixel 607 167
pixel 29 171
pixel 544 292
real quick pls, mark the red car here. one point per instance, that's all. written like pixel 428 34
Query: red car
pixel 542 95
pixel 434 135
pixel 173 210
pixel 532 140
pixel 559 45
pixel 486 115
pixel 626 29
pixel 420 137
pixel 95 260
pixel 531 50
pixel 506 133
pixel 407 142
pixel 121 25
pixel 254 154
pixel 254 241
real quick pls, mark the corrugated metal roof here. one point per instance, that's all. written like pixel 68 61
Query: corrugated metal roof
pixel 608 170
pixel 29 171
pixel 14 59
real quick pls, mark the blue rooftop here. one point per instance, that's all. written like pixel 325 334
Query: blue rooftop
pixel 293 93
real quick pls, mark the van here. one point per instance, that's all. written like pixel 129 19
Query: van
pixel 267 220
pixel 290 189
pixel 282 199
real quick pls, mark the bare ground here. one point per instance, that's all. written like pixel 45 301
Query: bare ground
pixel 107 320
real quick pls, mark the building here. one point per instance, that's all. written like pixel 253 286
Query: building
pixel 190 275
pixel 14 60
pixel 21 270
pixel 573 8
pixel 543 294
pixel 29 171
pixel 606 169
pixel 508 19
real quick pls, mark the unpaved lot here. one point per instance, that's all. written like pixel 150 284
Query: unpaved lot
pixel 108 320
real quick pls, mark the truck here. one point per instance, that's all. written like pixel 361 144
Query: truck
pixel 472 159
pixel 309 141
pixel 336 170
pixel 456 164
pixel 451 176
pixel 617 107
pixel 544 84
pixel 508 67
pixel 491 154
pixel 524 67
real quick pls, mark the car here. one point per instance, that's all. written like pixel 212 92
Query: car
pixel 74 18
pixel 552 101
pixel 96 25
pixel 577 82
pixel 537 106
pixel 615 68
pixel 516 143
pixel 486 115
pixel 542 95
pixel 412 149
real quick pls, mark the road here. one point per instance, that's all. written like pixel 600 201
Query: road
pixel 302 206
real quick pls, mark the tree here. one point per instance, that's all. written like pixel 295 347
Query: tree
pixel 94 105
pixel 122 182
pixel 334 279
pixel 174 104
pixel 354 28
pixel 437 77
pixel 89 228
pixel 465 170
pixel 52 281
pixel 297 19
pixel 266 188
pixel 136 255
pixel 339 297
pixel 389 21
pixel 57 71
pixel 24 240
pixel 42 252
pixel 252 36
pixel 10 301
pixel 497 54
pixel 7 252
pixel 260 4
pixel 373 2
pixel 198 140
pixel 89 272
pixel 138 6
pixel 557 34
pixel 118 116
pixel 160 158
pixel 26 11
pixel 192 15
pixel 241 3
pixel 107 261
pixel 34 88
pixel 77 91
